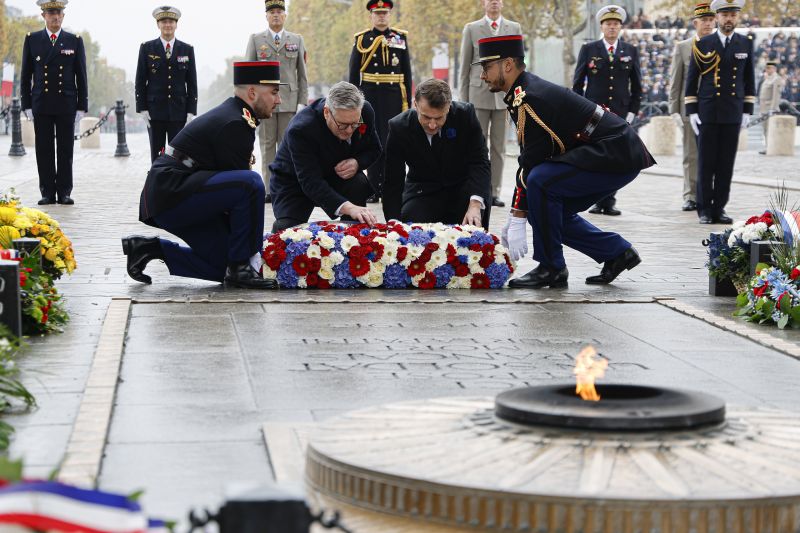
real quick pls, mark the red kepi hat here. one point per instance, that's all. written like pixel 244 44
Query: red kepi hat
pixel 492 48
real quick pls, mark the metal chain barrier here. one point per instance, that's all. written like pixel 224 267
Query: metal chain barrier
pixel 4 112
pixel 97 126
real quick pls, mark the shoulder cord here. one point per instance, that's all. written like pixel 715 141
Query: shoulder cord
pixel 366 53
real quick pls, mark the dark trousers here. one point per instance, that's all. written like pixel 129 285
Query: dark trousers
pixel 716 147
pixel 557 192
pixel 55 141
pixel 356 190
pixel 387 102
pixel 160 131
pixel 448 206
pixel 223 223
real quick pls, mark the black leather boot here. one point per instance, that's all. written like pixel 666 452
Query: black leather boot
pixel 613 268
pixel 541 277
pixel 140 251
pixel 245 276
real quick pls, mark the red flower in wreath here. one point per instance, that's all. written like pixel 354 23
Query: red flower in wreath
pixel 323 284
pixel 358 251
pixel 359 266
pixel 314 264
pixel 428 281
pixel 785 293
pixel 480 281
pixel 301 265
pixel 486 260
pixel 462 270
pixel 795 273
pixel 761 291
pixel 402 252
pixel 431 246
pixel 416 268
pixel 312 280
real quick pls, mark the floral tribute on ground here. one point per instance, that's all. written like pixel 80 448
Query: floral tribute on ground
pixel 328 255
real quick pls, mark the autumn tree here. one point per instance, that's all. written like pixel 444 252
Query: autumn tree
pixel 770 13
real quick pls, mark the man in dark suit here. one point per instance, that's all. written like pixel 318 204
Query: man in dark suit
pixel 720 97
pixel 204 191
pixel 166 82
pixel 573 154
pixel 54 86
pixel 609 69
pixel 380 65
pixel 322 159
pixel 449 174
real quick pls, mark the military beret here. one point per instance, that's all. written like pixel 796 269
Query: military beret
pixel 257 73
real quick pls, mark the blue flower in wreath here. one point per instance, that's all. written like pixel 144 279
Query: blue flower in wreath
pixel 396 277
pixel 450 133
pixel 498 275
pixel 443 275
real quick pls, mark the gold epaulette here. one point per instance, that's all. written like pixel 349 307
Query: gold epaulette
pixel 708 61
pixel 398 30
pixel 362 32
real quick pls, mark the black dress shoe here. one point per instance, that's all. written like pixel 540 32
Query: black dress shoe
pixel 268 199
pixel 246 277
pixel 613 268
pixel 66 200
pixel 497 202
pixel 140 251
pixel 723 218
pixel 46 201
pixel 705 219
pixel 541 277
pixel 689 205
pixel 612 211
pixel 596 210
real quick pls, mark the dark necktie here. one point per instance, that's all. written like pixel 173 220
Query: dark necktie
pixel 169 51
pixel 727 41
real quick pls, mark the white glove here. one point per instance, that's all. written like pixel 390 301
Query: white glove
pixel 146 116
pixel 694 120
pixel 518 238
pixel 504 232
pixel 630 117
pixel 79 116
pixel 745 121
pixel 189 117
pixel 28 114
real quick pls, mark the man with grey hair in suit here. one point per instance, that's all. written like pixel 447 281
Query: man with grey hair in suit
pixel 704 24
pixel 489 106
pixel 277 44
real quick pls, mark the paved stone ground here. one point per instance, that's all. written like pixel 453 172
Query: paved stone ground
pixel 199 379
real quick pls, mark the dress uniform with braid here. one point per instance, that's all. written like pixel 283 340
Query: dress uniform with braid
pixel 166 84
pixel 380 65
pixel 54 85
pixel 721 91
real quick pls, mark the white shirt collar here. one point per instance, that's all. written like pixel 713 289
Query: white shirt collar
pixel 272 34
pixel 722 36
pixel 57 34
pixel 171 43
pixel 615 44
pixel 430 137
pixel 489 21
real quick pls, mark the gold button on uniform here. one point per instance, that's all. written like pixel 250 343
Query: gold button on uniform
pixel 733 94
pixel 610 97
pixel 718 94
pixel 611 77
pixel 611 88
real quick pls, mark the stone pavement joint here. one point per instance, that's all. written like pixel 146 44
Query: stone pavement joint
pixel 84 454
pixel 734 326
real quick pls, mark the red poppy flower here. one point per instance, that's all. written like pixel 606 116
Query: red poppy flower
pixel 362 129
pixel 462 270
pixel 359 266
pixel 761 291
pixel 402 252
pixel 795 273
pixel 480 281
pixel 428 281
pixel 312 280
pixel 416 268
pixel 301 265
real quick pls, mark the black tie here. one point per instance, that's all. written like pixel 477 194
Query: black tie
pixel 727 41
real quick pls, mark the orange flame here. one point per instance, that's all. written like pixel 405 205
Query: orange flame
pixel 588 367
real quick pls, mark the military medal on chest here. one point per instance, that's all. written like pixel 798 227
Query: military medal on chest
pixel 395 60
pixel 249 118
pixel 519 96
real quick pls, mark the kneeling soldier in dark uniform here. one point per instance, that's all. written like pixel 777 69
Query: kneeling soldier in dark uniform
pixel 573 154
pixel 55 62
pixel 322 159
pixel 203 191
pixel 166 82
pixel 449 175
pixel 380 65
pixel 720 97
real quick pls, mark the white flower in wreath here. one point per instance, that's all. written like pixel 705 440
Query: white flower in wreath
pixel 438 258
pixel 500 259
pixel 268 273
pixel 738 224
pixel 325 241
pixel 476 268
pixel 327 263
pixel 473 257
pixel 393 236
pixel 337 257
pixel 314 251
pixel 414 251
pixel 416 279
pixel 326 273
pixel 302 283
pixel 389 256
pixel 372 279
pixel 348 242
pixel 456 282
pixel 451 236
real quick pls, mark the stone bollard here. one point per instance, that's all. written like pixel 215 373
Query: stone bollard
pixel 17 147
pixel 28 133
pixel 662 136
pixel 10 305
pixel 93 140
pixel 780 135
pixel 122 143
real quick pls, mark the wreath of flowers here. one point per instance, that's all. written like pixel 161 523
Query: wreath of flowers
pixel 326 255
pixel 772 297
